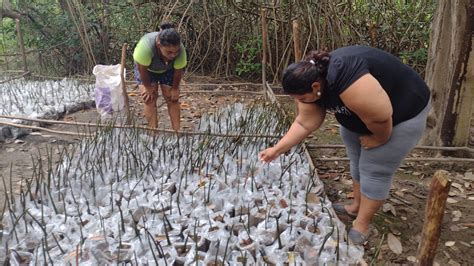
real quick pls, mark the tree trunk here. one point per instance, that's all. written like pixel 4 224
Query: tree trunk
pixel 450 74
pixel 21 43
pixel 297 40
pixel 104 33
pixel 264 46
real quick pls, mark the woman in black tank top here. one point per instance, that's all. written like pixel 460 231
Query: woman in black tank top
pixel 382 106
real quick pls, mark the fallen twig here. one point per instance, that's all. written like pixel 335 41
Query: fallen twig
pixel 470 225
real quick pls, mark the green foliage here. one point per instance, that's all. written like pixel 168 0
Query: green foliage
pixel 9 42
pixel 400 27
pixel 248 63
pixel 221 37
pixel 411 57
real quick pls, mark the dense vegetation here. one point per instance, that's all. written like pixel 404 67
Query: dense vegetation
pixel 223 37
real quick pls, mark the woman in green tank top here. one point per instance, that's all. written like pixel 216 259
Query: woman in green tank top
pixel 160 59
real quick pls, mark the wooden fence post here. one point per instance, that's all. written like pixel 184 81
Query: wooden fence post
pixel 434 211
pixel 22 45
pixel 124 85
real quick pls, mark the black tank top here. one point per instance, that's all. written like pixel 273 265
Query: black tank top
pixel 407 91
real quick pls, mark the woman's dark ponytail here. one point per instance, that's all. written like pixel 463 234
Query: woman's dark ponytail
pixel 168 35
pixel 298 77
pixel 320 59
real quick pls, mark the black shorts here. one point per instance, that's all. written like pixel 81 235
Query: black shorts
pixel 165 78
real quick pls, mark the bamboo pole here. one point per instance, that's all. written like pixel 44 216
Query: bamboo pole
pixel 11 71
pixel 226 92
pixel 192 133
pixel 105 125
pixel 433 217
pixel 264 47
pixel 272 95
pixel 124 85
pixel 61 132
pixel 132 82
pixel 22 45
pixel 90 56
pixel 297 40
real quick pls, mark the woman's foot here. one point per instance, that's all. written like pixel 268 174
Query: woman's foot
pixel 358 238
pixel 347 210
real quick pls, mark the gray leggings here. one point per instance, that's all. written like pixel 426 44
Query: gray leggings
pixel 374 168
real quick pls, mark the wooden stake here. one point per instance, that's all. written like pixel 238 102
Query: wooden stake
pixel 296 40
pixel 124 85
pixel 22 45
pixel 264 47
pixel 433 217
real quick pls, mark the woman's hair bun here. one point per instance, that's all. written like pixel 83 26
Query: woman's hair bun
pixel 168 35
pixel 166 25
pixel 320 59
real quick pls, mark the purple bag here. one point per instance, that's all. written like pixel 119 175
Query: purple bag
pixel 108 89
pixel 103 100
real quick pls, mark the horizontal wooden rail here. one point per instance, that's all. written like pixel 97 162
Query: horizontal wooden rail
pixel 165 131
pixel 15 77
pixel 340 146
pixel 417 159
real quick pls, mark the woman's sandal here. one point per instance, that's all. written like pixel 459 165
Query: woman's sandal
pixel 357 237
pixel 339 208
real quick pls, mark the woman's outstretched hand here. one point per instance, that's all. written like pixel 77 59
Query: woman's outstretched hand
pixel 268 155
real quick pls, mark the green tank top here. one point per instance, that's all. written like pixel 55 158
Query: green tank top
pixel 147 54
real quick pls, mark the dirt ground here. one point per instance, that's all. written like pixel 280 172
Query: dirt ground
pixel 404 220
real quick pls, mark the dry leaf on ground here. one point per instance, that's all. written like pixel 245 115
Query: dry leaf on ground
pixel 450 243
pixel 394 244
pixel 457 213
pixel 313 198
pixel 469 176
pixel 451 201
pixel 387 207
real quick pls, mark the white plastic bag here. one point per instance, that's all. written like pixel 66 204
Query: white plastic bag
pixel 108 89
